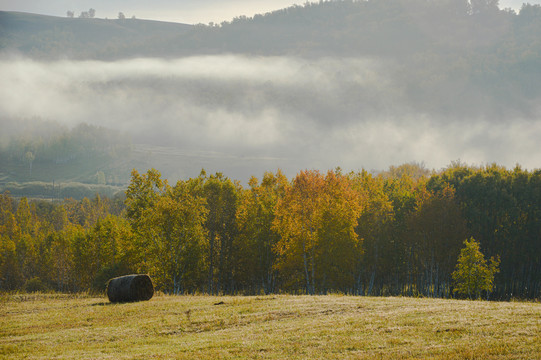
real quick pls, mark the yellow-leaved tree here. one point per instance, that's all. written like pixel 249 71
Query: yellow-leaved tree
pixel 169 227
pixel 316 220
pixel 473 275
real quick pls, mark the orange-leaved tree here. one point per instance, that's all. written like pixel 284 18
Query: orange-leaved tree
pixel 316 220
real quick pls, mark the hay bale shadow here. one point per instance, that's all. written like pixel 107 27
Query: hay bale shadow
pixel 101 304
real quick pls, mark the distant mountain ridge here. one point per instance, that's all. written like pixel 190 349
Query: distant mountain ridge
pixel 329 28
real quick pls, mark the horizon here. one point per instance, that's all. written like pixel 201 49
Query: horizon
pixel 187 12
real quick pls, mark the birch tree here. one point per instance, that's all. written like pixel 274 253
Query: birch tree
pixel 473 274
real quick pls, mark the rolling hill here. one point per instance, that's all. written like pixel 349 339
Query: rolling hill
pixel 49 37
pixel 318 85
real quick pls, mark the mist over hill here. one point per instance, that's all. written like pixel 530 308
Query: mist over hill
pixel 338 83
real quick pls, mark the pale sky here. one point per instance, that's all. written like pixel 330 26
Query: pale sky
pixel 183 11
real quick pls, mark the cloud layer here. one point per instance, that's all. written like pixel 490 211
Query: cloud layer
pixel 265 112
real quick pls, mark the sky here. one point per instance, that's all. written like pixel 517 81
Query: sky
pixel 183 11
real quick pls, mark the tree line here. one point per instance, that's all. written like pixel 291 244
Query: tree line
pixel 400 232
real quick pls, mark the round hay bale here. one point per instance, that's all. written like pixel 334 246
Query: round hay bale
pixel 130 288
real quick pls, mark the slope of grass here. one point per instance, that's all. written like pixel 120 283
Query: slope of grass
pixel 269 327
pixel 43 37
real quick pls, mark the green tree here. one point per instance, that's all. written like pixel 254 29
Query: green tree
pixel 10 271
pixel 11 276
pixel 483 6
pixel 373 227
pixel 435 232
pixel 109 244
pixel 404 194
pixel 175 227
pixel 143 192
pixel 28 241
pixel 168 226
pixel 473 275
pixel 61 258
pixel 257 239
pixel 222 195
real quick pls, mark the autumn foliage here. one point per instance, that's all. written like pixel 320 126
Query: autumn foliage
pixel 399 232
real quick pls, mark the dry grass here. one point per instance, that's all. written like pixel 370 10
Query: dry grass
pixel 274 327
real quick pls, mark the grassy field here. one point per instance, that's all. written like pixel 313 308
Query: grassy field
pixel 40 326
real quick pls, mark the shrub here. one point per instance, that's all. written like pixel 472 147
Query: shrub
pixel 35 285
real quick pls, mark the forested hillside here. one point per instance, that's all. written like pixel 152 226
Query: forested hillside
pixel 338 27
pixel 398 233
pixel 51 161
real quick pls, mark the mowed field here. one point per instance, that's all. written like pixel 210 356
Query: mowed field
pixel 40 326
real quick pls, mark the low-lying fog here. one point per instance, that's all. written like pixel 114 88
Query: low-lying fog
pixel 287 112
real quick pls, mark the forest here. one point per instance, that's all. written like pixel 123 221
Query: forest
pixel 353 83
pixel 398 232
